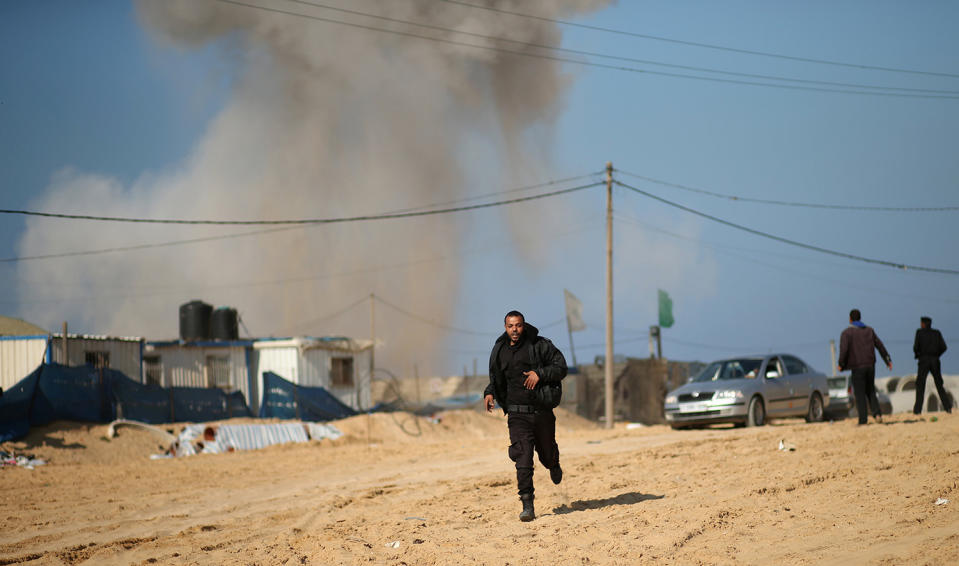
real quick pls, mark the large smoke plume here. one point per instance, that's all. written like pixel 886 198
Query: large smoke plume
pixel 324 120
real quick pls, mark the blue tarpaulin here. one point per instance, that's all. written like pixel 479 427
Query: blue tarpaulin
pixel 285 400
pixel 15 408
pixel 87 394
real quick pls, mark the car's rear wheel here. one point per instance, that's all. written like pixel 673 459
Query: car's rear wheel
pixel 816 411
pixel 756 416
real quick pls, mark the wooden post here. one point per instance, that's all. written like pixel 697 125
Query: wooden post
pixel 64 349
pixel 659 342
pixel 609 296
pixel 832 357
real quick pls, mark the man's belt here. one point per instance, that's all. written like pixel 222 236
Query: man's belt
pixel 527 409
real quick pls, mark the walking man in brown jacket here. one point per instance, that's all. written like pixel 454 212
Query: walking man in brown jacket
pixel 856 353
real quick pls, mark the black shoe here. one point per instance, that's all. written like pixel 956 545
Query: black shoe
pixel 528 514
pixel 556 474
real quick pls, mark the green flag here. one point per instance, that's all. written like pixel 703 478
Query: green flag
pixel 665 309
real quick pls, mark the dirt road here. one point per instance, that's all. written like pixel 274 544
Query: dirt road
pixel 403 491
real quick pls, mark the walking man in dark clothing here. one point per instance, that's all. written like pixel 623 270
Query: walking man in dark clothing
pixel 521 363
pixel 856 345
pixel 928 346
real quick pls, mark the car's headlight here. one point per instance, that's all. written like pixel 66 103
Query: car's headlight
pixel 727 395
pixel 670 399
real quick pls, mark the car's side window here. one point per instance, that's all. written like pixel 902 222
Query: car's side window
pixel 774 368
pixel 794 365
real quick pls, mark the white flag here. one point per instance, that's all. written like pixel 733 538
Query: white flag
pixel 574 312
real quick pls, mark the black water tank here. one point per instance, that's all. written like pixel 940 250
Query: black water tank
pixel 195 320
pixel 223 325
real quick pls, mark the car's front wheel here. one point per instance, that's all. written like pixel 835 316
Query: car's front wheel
pixel 756 416
pixel 816 411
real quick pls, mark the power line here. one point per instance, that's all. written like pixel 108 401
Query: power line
pixel 145 246
pixel 425 320
pixel 724 249
pixel 794 204
pixel 333 314
pixel 167 290
pixel 587 63
pixel 300 222
pixel 245 234
pixel 617 57
pixel 705 45
pixel 903 266
pixel 155 245
pixel 508 191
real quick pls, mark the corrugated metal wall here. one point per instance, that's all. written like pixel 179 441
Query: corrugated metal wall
pixel 19 357
pixel 124 354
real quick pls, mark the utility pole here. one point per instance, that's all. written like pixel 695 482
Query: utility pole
pixel 369 415
pixel 372 336
pixel 572 349
pixel 609 296
pixel 832 356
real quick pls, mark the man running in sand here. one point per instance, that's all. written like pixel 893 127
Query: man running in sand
pixel 522 361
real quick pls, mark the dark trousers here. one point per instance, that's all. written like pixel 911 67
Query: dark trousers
pixel 927 365
pixel 864 387
pixel 529 431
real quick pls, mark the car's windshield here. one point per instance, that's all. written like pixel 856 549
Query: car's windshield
pixel 730 369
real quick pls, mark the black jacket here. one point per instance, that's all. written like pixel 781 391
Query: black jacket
pixel 856 348
pixel 545 358
pixel 928 343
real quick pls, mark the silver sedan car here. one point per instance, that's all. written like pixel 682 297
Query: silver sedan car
pixel 746 391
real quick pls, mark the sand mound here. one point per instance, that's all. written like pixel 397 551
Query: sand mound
pixel 403 427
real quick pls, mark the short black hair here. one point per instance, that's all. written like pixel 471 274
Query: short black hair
pixel 926 320
pixel 854 315
pixel 514 313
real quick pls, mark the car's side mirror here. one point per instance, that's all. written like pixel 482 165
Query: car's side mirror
pixel 772 374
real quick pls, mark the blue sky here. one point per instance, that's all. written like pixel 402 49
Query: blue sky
pixel 85 88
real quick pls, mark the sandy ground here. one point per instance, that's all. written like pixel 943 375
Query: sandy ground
pixel 402 490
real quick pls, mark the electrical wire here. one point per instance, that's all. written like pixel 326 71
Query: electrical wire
pixel 724 249
pixel 705 45
pixel 589 63
pixel 903 266
pixel 508 191
pixel 444 326
pixel 167 290
pixel 793 204
pixel 305 221
pixel 144 246
pixel 616 57
pixel 228 236
pixel 425 320
pixel 333 314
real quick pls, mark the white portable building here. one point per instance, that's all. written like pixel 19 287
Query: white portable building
pixel 223 364
pixel 340 365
